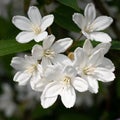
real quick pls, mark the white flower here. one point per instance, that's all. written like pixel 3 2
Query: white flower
pixel 51 51
pixel 91 25
pixel 64 83
pixel 28 70
pixel 34 27
pixel 91 68
pixel 88 48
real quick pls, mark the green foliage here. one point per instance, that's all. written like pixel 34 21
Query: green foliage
pixel 12 46
pixel 63 17
pixel 71 3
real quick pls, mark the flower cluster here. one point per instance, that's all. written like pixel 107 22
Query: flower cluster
pixel 53 73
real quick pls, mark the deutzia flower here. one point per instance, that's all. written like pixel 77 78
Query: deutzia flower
pixel 34 27
pixel 28 70
pixel 90 25
pixel 91 68
pixel 64 82
pixel 51 51
pixel 88 48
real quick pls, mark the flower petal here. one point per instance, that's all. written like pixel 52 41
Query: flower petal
pixel 106 47
pixel 104 75
pixel 47 43
pixel 22 23
pixel 92 84
pixel 80 57
pixel 37 52
pixel 17 63
pixel 90 12
pixel 47 101
pixel 22 78
pixel 41 36
pixel 62 59
pixel 100 36
pixel 101 23
pixel 87 47
pixel 107 63
pixel 80 84
pixel 46 22
pixel 45 62
pixel 96 58
pixel 68 97
pixel 62 45
pixel 52 89
pixel 25 37
pixel 70 71
pixel 34 15
pixel 79 20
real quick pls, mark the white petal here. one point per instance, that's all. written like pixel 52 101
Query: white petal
pixel 92 84
pixel 25 37
pixel 22 23
pixel 53 72
pixel 39 85
pixel 87 47
pixel 90 12
pixel 106 47
pixel 101 23
pixel 37 52
pixel 41 36
pixel 47 102
pixel 96 58
pixel 17 63
pixel 68 97
pixel 79 20
pixel 80 58
pixel 62 59
pixel 101 37
pixel 107 63
pixel 52 89
pixel 104 75
pixel 47 43
pixel 70 71
pixel 34 15
pixel 62 45
pixel 80 84
pixel 22 78
pixel 45 62
pixel 46 22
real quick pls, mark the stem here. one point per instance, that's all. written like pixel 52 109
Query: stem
pixel 79 36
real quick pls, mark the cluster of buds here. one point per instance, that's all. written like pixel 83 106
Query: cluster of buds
pixel 53 73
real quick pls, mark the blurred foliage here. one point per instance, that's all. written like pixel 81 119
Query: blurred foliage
pixel 106 103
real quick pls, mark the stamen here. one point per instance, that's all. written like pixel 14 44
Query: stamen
pixel 36 29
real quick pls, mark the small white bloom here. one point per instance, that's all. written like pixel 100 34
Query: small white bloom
pixel 88 48
pixel 91 68
pixel 91 25
pixel 51 51
pixel 34 27
pixel 64 82
pixel 28 70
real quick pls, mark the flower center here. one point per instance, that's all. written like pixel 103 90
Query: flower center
pixel 36 29
pixel 49 53
pixel 88 29
pixel 66 80
pixel 88 70
pixel 32 68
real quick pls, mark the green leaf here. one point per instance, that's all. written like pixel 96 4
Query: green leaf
pixel 71 3
pixel 65 20
pixel 12 46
